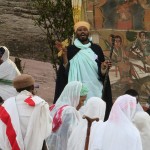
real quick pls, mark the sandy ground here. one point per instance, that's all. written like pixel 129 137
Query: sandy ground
pixel 44 76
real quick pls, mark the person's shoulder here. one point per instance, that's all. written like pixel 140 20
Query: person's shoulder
pixel 95 45
pixel 38 99
pixel 141 114
pixel 69 110
pixel 71 46
pixel 72 50
pixel 9 63
pixel 96 48
pixel 8 101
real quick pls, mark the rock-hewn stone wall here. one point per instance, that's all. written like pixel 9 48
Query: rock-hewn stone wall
pixel 18 32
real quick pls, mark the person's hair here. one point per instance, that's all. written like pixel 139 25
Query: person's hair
pixel 132 92
pixel 1 100
pixel 29 88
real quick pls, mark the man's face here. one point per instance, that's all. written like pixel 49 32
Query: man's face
pixel 82 34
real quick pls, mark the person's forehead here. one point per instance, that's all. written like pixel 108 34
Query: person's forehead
pixel 82 27
pixel 117 40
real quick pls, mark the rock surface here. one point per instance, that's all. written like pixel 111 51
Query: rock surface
pixel 18 31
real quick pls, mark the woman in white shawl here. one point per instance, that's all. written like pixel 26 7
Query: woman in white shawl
pixel 65 114
pixel 119 133
pixel 94 108
pixel 142 122
pixel 8 71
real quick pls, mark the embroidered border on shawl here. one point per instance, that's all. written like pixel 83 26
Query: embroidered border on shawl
pixel 30 101
pixel 57 120
pixel 11 134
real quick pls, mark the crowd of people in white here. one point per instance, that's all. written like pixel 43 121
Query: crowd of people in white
pixel 28 122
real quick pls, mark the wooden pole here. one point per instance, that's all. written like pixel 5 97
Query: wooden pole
pixel 90 121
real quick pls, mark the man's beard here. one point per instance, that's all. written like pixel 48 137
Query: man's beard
pixel 83 40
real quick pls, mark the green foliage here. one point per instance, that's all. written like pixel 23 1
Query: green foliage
pixel 55 18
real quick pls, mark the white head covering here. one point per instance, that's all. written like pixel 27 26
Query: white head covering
pixel 8 71
pixel 123 110
pixel 119 132
pixel 96 104
pixel 70 95
pixel 94 108
pixel 6 54
pixel 142 122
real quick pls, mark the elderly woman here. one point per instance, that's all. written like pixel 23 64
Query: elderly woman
pixel 77 139
pixel 8 71
pixel 119 133
pixel 65 114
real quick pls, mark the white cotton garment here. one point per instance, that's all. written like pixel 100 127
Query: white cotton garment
pixel 139 107
pixel 32 124
pixel 94 108
pixel 142 122
pixel 8 71
pixel 70 116
pixel 119 133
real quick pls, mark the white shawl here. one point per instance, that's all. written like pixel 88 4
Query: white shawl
pixel 94 108
pixel 142 122
pixel 70 116
pixel 119 133
pixel 8 71
pixel 38 127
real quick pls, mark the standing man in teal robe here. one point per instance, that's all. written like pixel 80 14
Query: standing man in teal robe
pixel 84 61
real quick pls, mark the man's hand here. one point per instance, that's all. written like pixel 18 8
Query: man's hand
pixel 61 48
pixel 106 64
pixel 62 52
